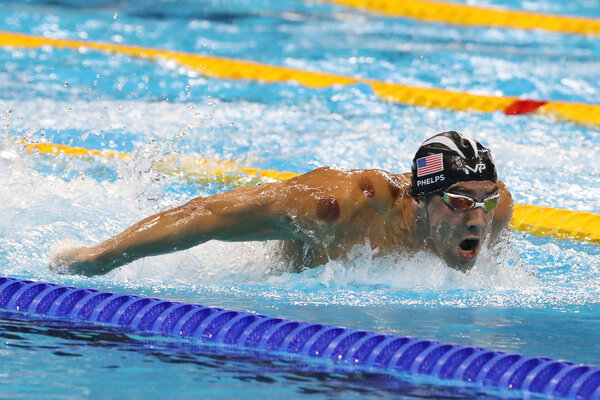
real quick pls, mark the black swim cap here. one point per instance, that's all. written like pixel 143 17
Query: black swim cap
pixel 448 158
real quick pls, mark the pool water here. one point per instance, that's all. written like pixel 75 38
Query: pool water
pixel 534 295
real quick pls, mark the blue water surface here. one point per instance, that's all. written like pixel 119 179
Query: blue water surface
pixel 534 295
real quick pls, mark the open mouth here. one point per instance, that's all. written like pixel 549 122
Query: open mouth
pixel 469 248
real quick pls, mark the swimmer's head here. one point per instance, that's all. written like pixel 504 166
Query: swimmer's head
pixel 455 193
pixel 448 158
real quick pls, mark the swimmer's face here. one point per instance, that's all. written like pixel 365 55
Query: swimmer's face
pixel 457 236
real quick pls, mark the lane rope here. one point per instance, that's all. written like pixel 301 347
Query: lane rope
pixel 463 14
pixel 541 221
pixel 196 169
pixel 360 350
pixel 224 68
pixel 562 224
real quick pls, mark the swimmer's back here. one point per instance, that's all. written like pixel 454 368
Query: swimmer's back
pixel 333 196
pixel 333 210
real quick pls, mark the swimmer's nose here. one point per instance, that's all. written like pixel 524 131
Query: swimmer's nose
pixel 477 220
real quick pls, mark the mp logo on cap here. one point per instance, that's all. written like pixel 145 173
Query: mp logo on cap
pixel 478 169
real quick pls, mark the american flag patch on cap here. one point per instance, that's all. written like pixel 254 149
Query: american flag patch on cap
pixel 430 164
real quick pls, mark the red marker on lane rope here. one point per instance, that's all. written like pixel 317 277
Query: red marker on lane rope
pixel 523 107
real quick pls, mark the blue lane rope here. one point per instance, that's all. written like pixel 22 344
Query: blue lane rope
pixel 362 349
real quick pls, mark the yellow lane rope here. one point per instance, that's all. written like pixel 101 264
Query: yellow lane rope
pixel 193 168
pixel 542 221
pixel 237 69
pixel 462 14
pixel 563 224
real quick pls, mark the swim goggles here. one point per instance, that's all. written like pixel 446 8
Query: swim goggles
pixel 465 203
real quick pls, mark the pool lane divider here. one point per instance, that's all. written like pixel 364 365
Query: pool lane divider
pixel 191 168
pixel 363 350
pixel 558 223
pixel 541 221
pixel 226 68
pixel 467 15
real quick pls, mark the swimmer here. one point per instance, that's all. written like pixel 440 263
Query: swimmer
pixel 451 205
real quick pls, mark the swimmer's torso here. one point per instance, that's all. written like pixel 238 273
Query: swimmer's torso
pixel 332 210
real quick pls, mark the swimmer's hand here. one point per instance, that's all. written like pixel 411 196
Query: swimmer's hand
pixel 76 261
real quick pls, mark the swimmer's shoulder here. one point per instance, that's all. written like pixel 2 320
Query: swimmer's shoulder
pixel 372 185
pixel 335 195
pixel 379 184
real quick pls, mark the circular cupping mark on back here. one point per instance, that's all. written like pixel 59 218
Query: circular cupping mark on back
pixel 328 209
pixel 367 187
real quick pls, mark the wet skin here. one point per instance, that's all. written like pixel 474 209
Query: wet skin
pixel 457 236
pixel 318 216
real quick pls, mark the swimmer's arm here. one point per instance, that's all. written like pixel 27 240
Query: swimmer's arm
pixel 239 215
